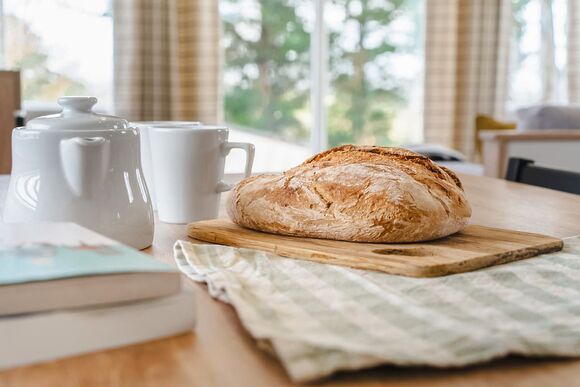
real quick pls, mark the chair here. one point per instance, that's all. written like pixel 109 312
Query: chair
pixel 524 171
pixel 485 122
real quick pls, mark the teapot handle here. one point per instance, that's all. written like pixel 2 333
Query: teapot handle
pixel 84 163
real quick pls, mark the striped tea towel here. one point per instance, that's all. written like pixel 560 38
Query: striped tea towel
pixel 321 318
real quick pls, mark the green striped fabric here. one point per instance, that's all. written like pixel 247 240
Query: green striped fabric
pixel 319 318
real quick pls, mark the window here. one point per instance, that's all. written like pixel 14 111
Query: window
pixel 316 73
pixel 267 77
pixel 61 47
pixel 375 68
pixel 538 54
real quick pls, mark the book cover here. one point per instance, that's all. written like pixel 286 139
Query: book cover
pixel 49 251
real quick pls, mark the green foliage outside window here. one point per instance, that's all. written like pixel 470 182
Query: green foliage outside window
pixel 268 58
pixel 26 53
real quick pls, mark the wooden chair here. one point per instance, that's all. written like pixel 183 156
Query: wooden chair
pixel 524 171
pixel 9 103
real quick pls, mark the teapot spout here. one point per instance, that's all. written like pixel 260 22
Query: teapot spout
pixel 84 163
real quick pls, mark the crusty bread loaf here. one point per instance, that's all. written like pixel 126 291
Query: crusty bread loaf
pixel 355 193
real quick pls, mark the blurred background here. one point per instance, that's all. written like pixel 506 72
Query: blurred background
pixel 295 76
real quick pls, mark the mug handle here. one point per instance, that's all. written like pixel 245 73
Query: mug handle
pixel 246 147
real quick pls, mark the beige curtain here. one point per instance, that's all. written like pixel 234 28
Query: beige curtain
pixel 167 60
pixel 573 65
pixel 466 61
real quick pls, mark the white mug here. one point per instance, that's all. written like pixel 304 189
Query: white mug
pixel 188 168
pixel 146 166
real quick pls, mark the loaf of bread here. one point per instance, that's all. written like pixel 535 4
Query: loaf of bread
pixel 355 193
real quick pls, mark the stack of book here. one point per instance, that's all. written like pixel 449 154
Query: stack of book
pixel 65 290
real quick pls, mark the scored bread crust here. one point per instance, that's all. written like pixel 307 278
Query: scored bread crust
pixel 355 193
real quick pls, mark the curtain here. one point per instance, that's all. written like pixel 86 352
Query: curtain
pixel 167 60
pixel 466 67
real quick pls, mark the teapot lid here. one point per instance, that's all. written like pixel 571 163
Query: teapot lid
pixel 77 114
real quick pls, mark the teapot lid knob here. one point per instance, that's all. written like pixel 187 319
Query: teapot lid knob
pixel 77 114
pixel 77 104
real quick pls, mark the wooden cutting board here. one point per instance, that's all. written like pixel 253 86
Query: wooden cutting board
pixel 474 248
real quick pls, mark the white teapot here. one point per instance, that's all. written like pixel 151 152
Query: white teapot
pixel 82 167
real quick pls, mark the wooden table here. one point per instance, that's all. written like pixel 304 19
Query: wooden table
pixel 221 353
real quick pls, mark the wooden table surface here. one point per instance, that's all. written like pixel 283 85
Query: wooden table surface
pixel 221 353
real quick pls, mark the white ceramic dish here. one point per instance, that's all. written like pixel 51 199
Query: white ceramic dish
pixel 81 167
pixel 144 129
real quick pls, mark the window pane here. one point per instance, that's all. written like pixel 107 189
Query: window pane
pixel 267 79
pixel 376 67
pixel 267 66
pixel 56 57
pixel 538 55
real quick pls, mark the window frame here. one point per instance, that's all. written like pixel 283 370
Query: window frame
pixel 319 61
